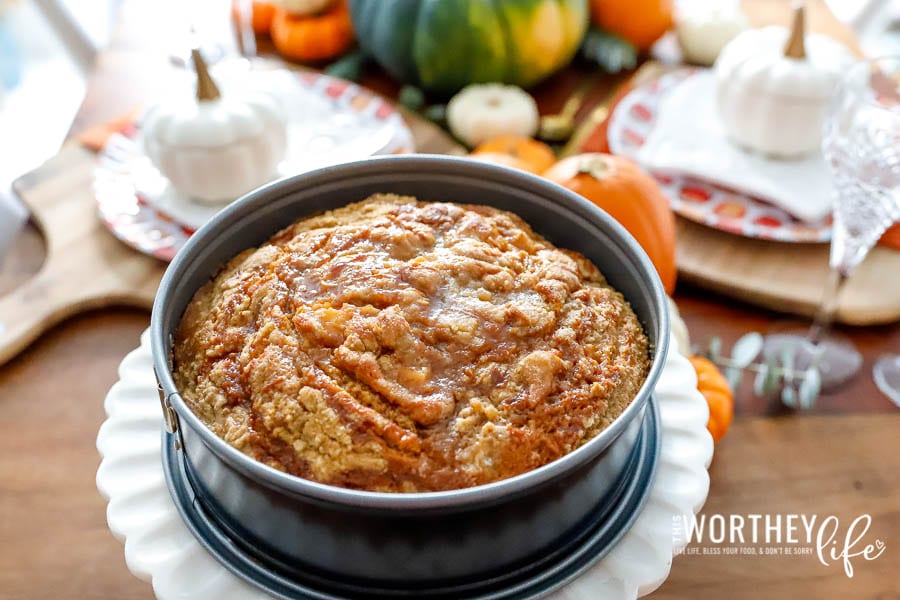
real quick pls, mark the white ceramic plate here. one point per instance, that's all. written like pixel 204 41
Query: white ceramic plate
pixel 160 549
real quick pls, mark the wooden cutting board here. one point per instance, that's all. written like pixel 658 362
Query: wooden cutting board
pixel 787 277
pixel 86 267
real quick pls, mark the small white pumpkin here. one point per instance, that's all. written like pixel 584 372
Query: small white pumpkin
pixel 216 148
pixel 305 7
pixel 704 29
pixel 773 87
pixel 483 111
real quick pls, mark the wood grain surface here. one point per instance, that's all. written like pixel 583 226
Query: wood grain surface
pixel 55 542
pixel 843 458
pixel 823 465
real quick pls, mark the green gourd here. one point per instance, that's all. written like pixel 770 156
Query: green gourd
pixel 444 45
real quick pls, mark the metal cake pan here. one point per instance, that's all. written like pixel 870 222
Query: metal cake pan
pixel 376 538
pixel 550 571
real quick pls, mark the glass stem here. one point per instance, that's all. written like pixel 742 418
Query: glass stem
pixel 246 35
pixel 828 307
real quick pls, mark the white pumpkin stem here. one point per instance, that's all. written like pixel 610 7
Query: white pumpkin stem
pixel 206 87
pixel 795 47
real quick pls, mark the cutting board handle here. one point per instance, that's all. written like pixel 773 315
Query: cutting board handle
pixel 29 310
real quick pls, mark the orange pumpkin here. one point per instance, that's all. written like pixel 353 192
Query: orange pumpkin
pixel 714 387
pixel 527 153
pixel 315 37
pixel 891 238
pixel 263 13
pixel 632 197
pixel 641 22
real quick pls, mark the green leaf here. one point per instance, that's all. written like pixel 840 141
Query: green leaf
pixel 746 349
pixel 788 354
pixel 350 66
pixel 411 97
pixel 609 51
pixel 761 381
pixel 766 380
pixel 789 396
pixel 734 375
pixel 772 378
pixel 810 388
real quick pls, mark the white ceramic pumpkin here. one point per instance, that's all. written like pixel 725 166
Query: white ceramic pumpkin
pixel 483 111
pixel 216 147
pixel 773 86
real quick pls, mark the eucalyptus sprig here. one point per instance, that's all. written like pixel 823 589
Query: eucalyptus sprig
pixel 773 371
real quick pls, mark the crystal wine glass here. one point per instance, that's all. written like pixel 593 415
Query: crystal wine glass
pixel 861 146
pixel 246 37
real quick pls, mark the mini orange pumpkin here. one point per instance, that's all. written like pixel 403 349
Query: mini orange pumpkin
pixel 525 153
pixel 714 387
pixel 632 197
pixel 315 37
pixel 641 22
pixel 263 13
pixel 891 238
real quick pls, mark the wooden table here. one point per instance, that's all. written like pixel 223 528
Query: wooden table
pixel 843 458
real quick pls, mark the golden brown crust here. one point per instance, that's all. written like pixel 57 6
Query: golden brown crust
pixel 397 345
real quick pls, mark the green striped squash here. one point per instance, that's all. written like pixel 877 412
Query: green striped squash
pixel 444 45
